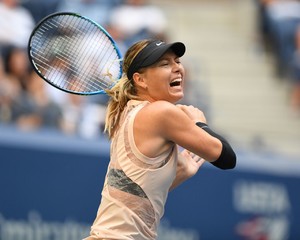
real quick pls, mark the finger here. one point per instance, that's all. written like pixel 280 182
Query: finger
pixel 200 161
pixel 195 157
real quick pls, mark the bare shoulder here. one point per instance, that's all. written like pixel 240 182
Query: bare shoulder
pixel 161 114
pixel 159 110
pixel 160 107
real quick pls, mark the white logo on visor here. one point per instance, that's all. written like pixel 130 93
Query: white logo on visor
pixel 158 44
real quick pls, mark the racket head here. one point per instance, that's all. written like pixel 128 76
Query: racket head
pixel 74 54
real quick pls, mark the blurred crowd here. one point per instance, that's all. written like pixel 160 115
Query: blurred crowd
pixel 280 28
pixel 28 102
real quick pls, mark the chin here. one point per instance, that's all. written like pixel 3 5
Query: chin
pixel 177 97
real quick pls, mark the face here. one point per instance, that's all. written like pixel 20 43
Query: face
pixel 163 80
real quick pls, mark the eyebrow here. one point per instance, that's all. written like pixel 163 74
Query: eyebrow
pixel 164 57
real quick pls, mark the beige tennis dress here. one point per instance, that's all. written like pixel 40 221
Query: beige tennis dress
pixel 135 188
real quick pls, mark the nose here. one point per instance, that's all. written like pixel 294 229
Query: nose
pixel 177 67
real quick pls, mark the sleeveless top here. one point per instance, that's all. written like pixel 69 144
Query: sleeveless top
pixel 135 188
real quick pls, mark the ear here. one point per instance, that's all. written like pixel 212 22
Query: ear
pixel 139 80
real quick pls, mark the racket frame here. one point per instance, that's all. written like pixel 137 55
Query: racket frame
pixel 36 69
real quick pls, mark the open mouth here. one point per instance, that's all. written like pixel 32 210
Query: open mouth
pixel 175 83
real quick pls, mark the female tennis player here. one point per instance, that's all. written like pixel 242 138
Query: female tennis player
pixel 146 127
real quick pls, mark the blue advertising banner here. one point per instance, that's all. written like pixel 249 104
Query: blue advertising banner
pixel 51 187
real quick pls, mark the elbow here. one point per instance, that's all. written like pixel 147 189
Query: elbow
pixel 227 158
pixel 232 161
pixel 226 164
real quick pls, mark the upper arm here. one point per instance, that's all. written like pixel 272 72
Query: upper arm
pixel 165 122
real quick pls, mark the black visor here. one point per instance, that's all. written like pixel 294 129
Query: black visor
pixel 152 53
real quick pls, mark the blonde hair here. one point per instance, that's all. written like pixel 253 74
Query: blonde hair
pixel 122 92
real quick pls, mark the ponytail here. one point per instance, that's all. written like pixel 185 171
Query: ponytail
pixel 122 92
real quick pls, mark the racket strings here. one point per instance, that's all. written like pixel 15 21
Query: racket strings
pixel 82 75
pixel 75 55
pixel 53 71
pixel 100 54
pixel 94 37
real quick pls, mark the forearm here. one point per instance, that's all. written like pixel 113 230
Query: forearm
pixel 181 176
pixel 227 158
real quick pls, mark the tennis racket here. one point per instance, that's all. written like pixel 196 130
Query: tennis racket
pixel 74 54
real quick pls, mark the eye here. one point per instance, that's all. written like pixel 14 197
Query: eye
pixel 164 63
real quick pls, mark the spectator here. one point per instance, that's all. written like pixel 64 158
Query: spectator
pixel 97 10
pixel 136 19
pixel 25 101
pixel 16 72
pixel 82 117
pixel 40 9
pixel 71 113
pixel 17 64
pixel 280 21
pixel 38 110
pixel 282 18
pixel 9 90
pixel 295 86
pixel 16 24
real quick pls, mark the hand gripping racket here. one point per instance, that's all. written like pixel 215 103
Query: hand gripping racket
pixel 74 54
